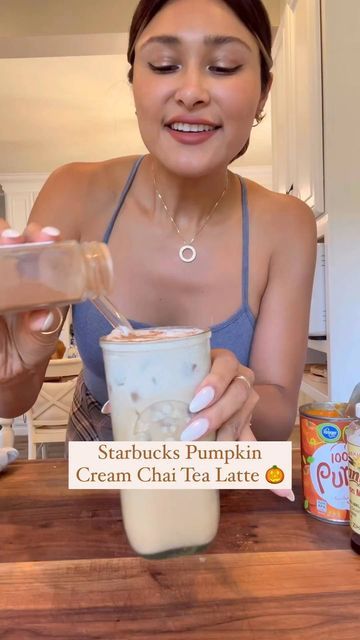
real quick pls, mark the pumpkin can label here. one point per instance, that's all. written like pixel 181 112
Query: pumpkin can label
pixel 324 461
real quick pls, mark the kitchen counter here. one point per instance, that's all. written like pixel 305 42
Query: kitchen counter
pixel 66 570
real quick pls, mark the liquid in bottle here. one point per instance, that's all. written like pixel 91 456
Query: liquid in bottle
pixel 36 275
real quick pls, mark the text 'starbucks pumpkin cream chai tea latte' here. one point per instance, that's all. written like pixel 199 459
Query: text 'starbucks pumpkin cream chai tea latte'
pixel 151 376
pixel 324 460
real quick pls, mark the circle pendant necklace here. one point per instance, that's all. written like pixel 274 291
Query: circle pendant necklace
pixel 187 252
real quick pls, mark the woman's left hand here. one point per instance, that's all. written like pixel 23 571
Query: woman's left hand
pixel 224 402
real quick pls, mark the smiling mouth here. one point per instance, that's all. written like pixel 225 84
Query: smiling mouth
pixel 185 127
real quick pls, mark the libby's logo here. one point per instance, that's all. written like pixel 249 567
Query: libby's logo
pixel 329 432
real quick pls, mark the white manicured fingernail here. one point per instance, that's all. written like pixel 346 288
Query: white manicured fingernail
pixel 39 323
pixel 202 399
pixel 195 429
pixel 106 409
pixel 48 321
pixel 51 231
pixel 285 493
pixel 10 233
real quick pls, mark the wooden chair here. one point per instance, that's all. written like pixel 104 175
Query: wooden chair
pixel 63 368
pixel 6 432
pixel 48 418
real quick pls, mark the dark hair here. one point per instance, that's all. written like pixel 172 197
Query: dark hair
pixel 251 13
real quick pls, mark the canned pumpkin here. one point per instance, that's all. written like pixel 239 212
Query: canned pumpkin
pixel 324 460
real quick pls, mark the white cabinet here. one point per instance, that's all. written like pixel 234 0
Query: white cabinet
pixel 297 104
pixel 18 206
pixel 315 148
pixel 20 194
pixel 282 110
pixel 307 80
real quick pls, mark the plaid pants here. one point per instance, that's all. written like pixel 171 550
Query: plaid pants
pixel 86 421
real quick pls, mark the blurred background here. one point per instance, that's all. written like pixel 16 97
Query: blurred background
pixel 64 94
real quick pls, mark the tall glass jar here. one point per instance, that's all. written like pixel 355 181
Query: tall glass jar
pixel 151 376
pixel 36 275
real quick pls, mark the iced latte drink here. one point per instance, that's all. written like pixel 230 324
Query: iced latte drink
pixel 151 378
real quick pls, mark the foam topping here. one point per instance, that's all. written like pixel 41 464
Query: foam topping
pixel 147 335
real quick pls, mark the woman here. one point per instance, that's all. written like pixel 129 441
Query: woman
pixel 192 244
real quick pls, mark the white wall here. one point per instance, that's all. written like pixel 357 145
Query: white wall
pixel 45 17
pixel 64 94
pixel 55 110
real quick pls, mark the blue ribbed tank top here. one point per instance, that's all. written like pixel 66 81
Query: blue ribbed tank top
pixel 235 333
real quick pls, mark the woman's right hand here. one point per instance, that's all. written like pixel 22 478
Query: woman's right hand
pixel 27 339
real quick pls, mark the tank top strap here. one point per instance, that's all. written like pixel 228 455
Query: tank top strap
pixel 122 198
pixel 245 243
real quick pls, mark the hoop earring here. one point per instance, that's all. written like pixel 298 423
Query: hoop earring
pixel 259 118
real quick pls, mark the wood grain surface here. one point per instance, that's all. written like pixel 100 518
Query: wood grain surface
pixel 67 572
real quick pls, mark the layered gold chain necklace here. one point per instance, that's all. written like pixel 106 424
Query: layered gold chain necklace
pixel 187 252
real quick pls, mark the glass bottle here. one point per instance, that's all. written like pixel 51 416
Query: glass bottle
pixel 353 447
pixel 36 275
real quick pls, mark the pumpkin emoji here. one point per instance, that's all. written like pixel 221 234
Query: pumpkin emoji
pixel 274 475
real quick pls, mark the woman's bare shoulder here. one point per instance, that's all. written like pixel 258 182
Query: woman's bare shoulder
pixel 91 177
pixel 77 189
pixel 283 216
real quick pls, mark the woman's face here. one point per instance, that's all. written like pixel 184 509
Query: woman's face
pixel 197 85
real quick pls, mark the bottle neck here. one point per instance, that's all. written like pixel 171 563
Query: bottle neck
pixel 98 269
